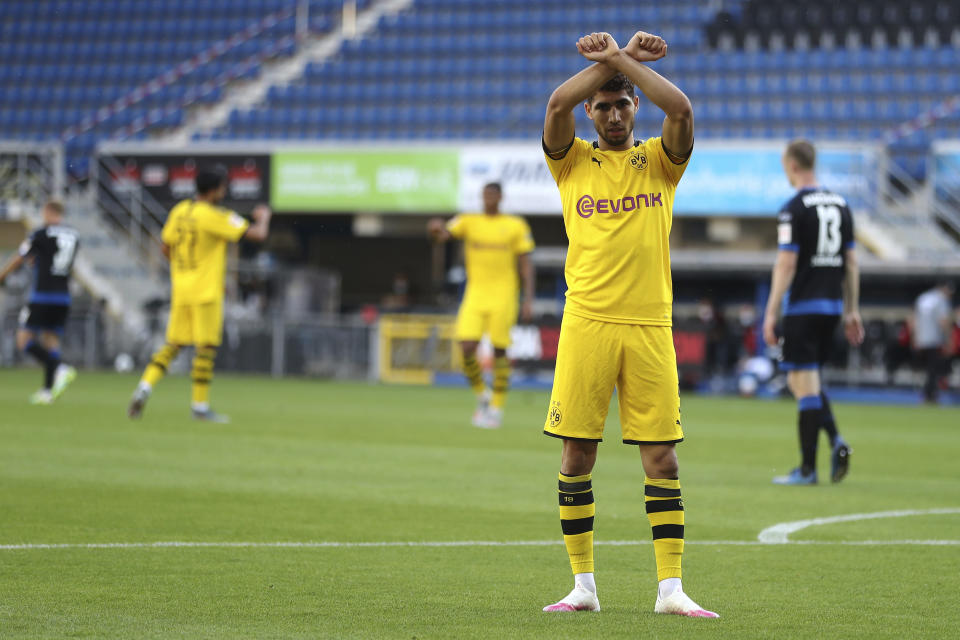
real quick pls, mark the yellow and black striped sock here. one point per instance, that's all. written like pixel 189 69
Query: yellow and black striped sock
pixel 159 363
pixel 471 369
pixel 501 381
pixel 576 520
pixel 202 375
pixel 665 512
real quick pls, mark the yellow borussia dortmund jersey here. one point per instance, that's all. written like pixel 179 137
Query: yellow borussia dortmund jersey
pixel 491 246
pixel 618 211
pixel 197 234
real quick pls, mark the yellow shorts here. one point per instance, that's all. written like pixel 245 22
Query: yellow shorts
pixel 593 357
pixel 473 323
pixel 196 324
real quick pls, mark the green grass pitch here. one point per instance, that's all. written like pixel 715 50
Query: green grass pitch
pixel 309 461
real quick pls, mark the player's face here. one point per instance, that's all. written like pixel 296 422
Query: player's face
pixel 491 199
pixel 50 215
pixel 613 114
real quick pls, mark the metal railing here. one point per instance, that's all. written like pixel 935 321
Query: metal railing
pixel 129 208
pixel 29 174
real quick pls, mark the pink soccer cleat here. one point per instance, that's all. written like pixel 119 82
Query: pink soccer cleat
pixel 679 604
pixel 580 599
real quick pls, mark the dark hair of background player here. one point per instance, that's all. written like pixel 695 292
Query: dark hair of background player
pixel 210 179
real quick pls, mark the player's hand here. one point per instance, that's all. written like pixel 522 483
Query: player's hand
pixel 598 47
pixel 769 330
pixel 526 310
pixel 646 47
pixel 435 228
pixel 853 328
pixel 261 212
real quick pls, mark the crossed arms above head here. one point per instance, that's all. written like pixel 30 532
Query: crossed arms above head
pixel 609 59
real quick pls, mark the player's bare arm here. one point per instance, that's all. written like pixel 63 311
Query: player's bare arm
pixel 646 47
pixel 437 230
pixel 783 272
pixel 12 265
pixel 260 229
pixel 559 125
pixel 852 323
pixel 525 264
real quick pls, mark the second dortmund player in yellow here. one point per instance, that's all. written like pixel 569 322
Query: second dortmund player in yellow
pixel 496 247
pixel 195 238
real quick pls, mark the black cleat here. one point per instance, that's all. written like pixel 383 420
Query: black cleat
pixel 840 460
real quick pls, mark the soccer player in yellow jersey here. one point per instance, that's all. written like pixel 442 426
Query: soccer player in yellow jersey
pixel 195 239
pixel 617 196
pixel 496 246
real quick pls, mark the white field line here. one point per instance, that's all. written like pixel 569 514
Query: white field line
pixel 449 543
pixel 779 533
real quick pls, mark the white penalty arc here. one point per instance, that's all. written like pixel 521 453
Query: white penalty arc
pixel 780 533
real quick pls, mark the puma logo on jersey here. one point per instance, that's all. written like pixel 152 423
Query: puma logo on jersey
pixel 598 163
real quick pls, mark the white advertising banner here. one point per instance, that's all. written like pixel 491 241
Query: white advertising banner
pixel 528 187
pixel 741 178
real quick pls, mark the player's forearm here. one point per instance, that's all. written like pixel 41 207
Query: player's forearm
pixel 10 267
pixel 782 277
pixel 528 276
pixel 851 285
pixel 657 89
pixel 579 88
pixel 559 125
pixel 258 231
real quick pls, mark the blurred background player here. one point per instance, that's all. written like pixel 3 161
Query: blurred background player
pixel 195 239
pixel 496 247
pixel 51 249
pixel 933 335
pixel 815 281
pixel 617 196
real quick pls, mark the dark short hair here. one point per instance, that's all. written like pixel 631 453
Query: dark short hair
pixel 494 185
pixel 210 178
pixel 56 206
pixel 803 153
pixel 619 82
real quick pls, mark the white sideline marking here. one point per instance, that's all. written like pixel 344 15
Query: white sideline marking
pixel 779 533
pixel 449 543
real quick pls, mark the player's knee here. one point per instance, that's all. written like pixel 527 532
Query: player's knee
pixel 499 353
pixel 578 457
pixel 660 461
pixel 468 347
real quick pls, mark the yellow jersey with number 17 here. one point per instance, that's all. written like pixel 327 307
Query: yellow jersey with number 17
pixel 197 234
pixel 618 211
pixel 491 246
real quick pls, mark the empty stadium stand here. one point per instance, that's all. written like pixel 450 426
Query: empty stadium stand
pixel 468 69
pixel 478 69
pixel 66 61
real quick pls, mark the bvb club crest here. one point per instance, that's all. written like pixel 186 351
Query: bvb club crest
pixel 555 416
pixel 638 161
